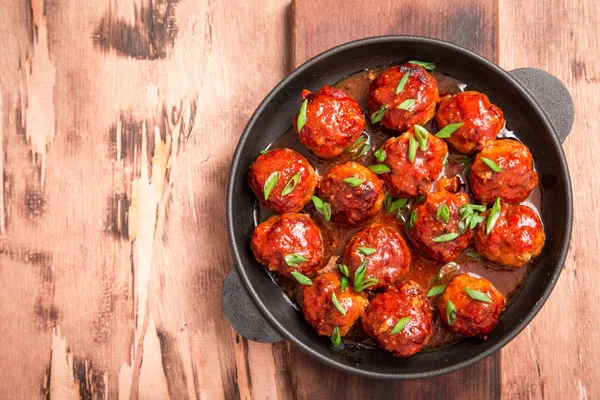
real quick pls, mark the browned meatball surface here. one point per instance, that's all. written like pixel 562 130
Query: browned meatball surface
pixel 288 177
pixel 384 250
pixel 403 304
pixel 355 200
pixel 516 237
pixel 516 179
pixel 471 316
pixel 420 89
pixel 320 310
pixel 410 178
pixel 439 239
pixel 333 122
pixel 482 121
pixel 288 242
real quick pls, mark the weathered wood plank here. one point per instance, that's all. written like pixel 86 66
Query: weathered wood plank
pixel 555 356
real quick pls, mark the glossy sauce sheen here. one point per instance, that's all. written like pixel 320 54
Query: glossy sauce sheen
pixel 422 270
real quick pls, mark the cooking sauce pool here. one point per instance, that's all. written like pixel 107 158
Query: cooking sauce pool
pixel 422 270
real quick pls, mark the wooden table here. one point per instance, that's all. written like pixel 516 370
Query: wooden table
pixel 119 120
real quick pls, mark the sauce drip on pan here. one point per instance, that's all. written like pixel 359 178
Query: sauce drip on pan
pixel 422 270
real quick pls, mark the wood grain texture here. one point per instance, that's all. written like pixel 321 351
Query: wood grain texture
pixel 118 120
pixel 556 355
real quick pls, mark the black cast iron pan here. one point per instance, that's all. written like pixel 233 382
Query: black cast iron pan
pixel 538 108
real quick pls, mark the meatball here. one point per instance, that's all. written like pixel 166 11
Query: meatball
pixel 516 237
pixel 408 178
pixel 353 191
pixel 320 310
pixel 386 253
pixel 333 121
pixel 390 309
pixel 287 176
pixel 482 121
pixel 417 99
pixel 435 229
pixel 288 242
pixel 512 182
pixel 471 305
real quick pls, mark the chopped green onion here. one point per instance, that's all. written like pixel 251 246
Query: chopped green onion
pixel 406 104
pixel 448 130
pixel 446 237
pixel 367 251
pixel 443 212
pixel 336 339
pixel 302 116
pixel 412 149
pixel 399 327
pixel 294 259
pixel 379 168
pixel 356 144
pixel 493 166
pixel 303 279
pixel 474 255
pixel 363 151
pixel 429 66
pixel 413 219
pixel 422 135
pixel 436 290
pixel 397 204
pixel 387 201
pixel 337 304
pixel 479 296
pixel 493 217
pixel 291 185
pixel 344 269
pixel 402 82
pixel 450 312
pixel 378 115
pixel 270 184
pixel 353 182
pixel 343 283
pixel 380 155
pixel 322 207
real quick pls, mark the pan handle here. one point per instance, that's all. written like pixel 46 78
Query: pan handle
pixel 552 96
pixel 242 314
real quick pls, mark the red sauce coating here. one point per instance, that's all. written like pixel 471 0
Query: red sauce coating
pixel 428 227
pixel 517 236
pixel 333 122
pixel 420 86
pixel 482 121
pixel 411 179
pixel 286 234
pixel 287 163
pixel 514 183
pixel 473 317
pixel 320 311
pixel 351 205
pixel 406 299
pixel 390 260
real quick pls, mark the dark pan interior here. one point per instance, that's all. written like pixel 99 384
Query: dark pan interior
pixel 524 117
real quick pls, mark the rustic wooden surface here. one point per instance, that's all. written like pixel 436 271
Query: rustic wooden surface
pixel 118 122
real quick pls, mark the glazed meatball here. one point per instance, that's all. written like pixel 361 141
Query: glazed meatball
pixel 435 226
pixel 420 89
pixel 333 122
pixel 386 253
pixel 353 191
pixel 392 307
pixel 320 310
pixel 408 178
pixel 467 315
pixel 482 121
pixel 288 242
pixel 293 176
pixel 516 237
pixel 516 179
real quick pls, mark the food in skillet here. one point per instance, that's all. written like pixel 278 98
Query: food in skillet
pixel 403 96
pixel 470 305
pixel 328 122
pixel 459 209
pixel 380 253
pixel 504 168
pixel 331 309
pixel 288 244
pixel 516 236
pixel 399 319
pixel 415 160
pixel 480 121
pixel 353 192
pixel 283 180
pixel 434 225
